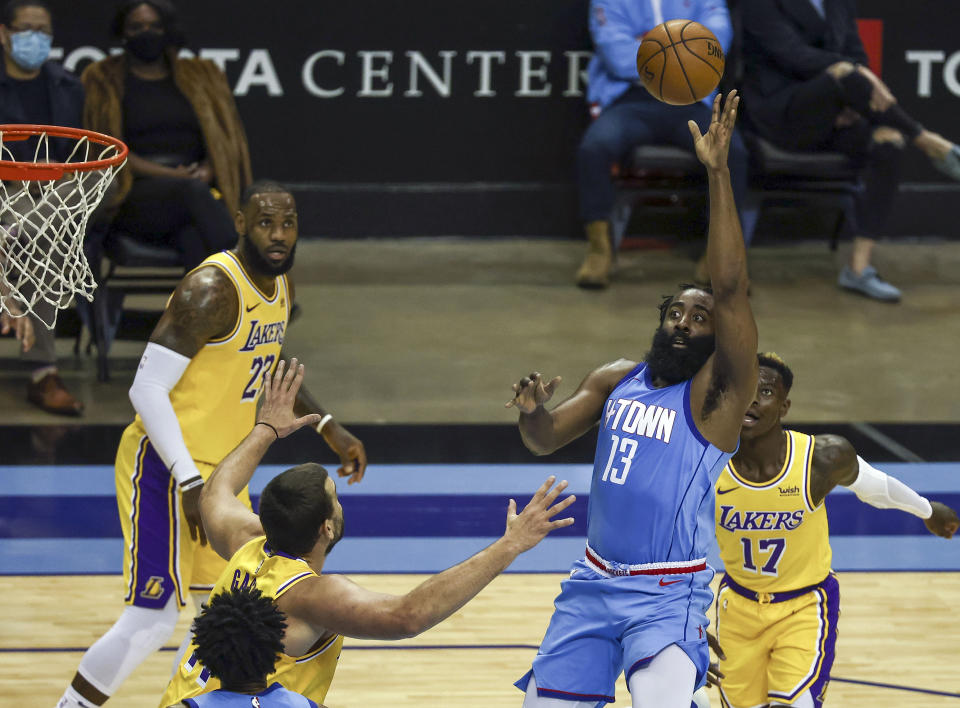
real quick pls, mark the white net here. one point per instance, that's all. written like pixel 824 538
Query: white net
pixel 42 226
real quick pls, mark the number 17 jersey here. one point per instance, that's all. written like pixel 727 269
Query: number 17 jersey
pixel 772 537
pixel 651 498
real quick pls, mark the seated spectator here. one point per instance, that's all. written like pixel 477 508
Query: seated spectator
pixel 806 86
pixel 626 115
pixel 179 119
pixel 238 638
pixel 34 90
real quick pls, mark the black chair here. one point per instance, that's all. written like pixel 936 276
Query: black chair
pixel 823 180
pixel 661 172
pixel 778 177
pixel 131 267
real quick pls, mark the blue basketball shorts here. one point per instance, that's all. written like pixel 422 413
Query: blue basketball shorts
pixel 603 625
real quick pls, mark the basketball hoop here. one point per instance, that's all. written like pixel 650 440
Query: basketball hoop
pixel 44 208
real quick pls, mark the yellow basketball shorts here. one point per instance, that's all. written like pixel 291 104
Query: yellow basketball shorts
pixel 159 557
pixel 777 651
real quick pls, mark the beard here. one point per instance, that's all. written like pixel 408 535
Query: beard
pixel 675 365
pixel 260 264
pixel 337 537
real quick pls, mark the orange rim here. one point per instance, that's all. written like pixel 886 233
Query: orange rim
pixel 13 170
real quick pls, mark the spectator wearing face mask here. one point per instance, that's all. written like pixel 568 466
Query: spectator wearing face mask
pixel 34 90
pixel 188 159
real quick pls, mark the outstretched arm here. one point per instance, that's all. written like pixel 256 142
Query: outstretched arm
pixel 728 381
pixel 333 603
pixel 835 462
pixel 230 524
pixel 545 431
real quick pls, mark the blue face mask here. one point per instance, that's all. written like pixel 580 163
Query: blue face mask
pixel 30 49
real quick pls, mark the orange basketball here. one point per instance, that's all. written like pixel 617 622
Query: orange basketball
pixel 680 62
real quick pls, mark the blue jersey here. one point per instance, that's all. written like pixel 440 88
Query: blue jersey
pixel 652 497
pixel 276 696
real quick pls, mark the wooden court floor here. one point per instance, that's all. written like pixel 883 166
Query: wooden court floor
pixel 901 629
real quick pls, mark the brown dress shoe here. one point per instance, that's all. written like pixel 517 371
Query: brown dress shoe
pixel 51 395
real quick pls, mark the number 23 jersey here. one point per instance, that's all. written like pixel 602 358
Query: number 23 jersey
pixel 651 498
pixel 772 537
pixel 216 398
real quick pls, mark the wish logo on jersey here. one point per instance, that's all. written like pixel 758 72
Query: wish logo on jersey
pixel 733 520
pixel 636 418
pixel 263 334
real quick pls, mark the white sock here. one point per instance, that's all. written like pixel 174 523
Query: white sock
pixel 72 699
pixel 38 374
pixel 136 635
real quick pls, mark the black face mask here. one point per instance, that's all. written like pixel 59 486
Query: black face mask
pixel 147 46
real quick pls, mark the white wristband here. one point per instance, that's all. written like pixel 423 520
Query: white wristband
pixel 323 421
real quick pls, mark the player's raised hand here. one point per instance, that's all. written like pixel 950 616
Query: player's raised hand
pixel 279 395
pixel 530 392
pixel 531 525
pixel 943 522
pixel 712 146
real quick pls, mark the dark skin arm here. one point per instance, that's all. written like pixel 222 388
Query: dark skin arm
pixel 835 463
pixel 352 453
pixel 723 389
pixel 545 431
pixel 203 307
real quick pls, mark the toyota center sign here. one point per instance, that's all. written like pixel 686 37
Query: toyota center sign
pixel 440 117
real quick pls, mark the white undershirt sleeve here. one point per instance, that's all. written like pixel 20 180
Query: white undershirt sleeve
pixel 159 371
pixel 877 489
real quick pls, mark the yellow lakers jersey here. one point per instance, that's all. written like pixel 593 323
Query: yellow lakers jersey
pixel 254 565
pixel 216 398
pixel 771 536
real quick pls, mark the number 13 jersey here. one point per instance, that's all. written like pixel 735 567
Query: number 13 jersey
pixel 216 398
pixel 772 537
pixel 651 498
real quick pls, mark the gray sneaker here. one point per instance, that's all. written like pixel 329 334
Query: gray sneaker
pixel 950 164
pixel 868 283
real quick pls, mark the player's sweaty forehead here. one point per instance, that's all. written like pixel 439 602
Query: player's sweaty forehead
pixel 273 203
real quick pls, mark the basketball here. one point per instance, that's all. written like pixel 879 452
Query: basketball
pixel 680 62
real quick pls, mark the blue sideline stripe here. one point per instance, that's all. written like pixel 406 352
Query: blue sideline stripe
pixel 422 516
pixel 510 479
pixel 430 555
pixel 97 480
